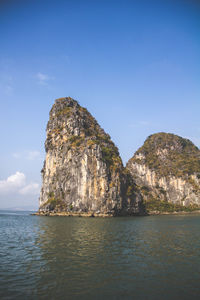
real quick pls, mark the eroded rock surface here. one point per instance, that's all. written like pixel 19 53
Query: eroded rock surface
pixel 167 170
pixel 83 172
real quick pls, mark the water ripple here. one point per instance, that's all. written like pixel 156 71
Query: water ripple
pixel 153 257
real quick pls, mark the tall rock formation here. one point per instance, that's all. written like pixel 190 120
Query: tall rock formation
pixel 167 169
pixel 83 172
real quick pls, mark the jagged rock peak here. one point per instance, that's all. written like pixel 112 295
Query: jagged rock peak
pixel 83 172
pixel 68 109
pixel 167 168
pixel 66 101
pixel 73 124
pixel 62 104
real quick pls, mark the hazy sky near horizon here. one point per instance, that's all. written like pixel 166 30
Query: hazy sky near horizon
pixel 135 65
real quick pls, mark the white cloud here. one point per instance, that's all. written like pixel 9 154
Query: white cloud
pixel 12 183
pixel 16 184
pixel 43 78
pixel 18 179
pixel 30 189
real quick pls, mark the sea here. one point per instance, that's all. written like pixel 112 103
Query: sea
pixel 147 258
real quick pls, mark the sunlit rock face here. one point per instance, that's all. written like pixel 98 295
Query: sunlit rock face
pixel 167 168
pixel 83 172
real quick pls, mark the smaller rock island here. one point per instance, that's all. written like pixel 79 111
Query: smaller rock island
pixel 167 170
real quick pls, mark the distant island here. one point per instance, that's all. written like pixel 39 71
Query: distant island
pixel 83 174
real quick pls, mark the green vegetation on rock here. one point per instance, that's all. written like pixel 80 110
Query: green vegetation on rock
pixel 90 133
pixel 169 154
pixel 65 111
pixel 110 155
pixel 52 202
pixel 75 141
pixel 164 206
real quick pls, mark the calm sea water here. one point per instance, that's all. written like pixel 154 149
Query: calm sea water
pixel 156 257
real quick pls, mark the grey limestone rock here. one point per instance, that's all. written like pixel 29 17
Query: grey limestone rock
pixel 83 172
pixel 167 169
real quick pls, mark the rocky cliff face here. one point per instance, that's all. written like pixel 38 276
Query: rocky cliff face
pixel 167 169
pixel 83 172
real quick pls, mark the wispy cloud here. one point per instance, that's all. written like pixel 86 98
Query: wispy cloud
pixel 16 155
pixel 6 85
pixel 8 90
pixel 29 155
pixel 43 79
pixel 140 124
pixel 30 189
pixel 66 59
pixel 16 183
pixel 143 123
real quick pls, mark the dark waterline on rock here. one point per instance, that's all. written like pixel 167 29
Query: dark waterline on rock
pixel 155 257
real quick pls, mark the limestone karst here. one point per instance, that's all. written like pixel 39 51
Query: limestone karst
pixel 83 172
pixel 167 170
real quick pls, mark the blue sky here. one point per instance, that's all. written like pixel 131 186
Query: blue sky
pixel 134 64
